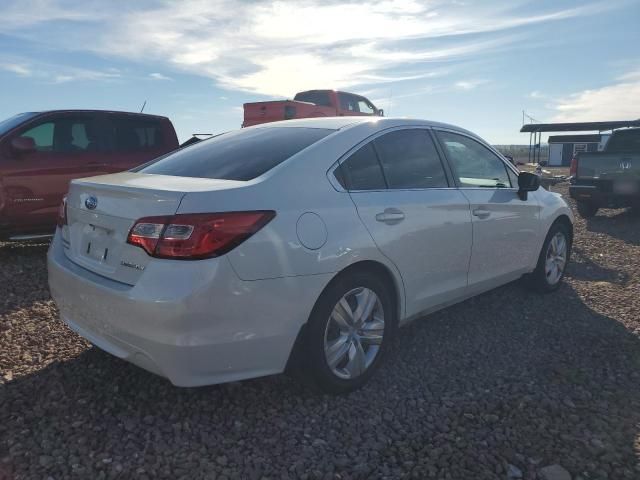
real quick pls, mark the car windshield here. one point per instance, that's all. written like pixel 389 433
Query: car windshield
pixel 240 155
pixel 12 122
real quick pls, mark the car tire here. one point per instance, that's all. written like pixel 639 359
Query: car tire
pixel 553 259
pixel 341 349
pixel 587 209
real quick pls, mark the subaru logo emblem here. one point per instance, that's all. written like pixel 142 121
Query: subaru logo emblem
pixel 625 164
pixel 91 202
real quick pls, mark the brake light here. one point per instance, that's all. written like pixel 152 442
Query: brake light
pixel 573 169
pixel 198 235
pixel 62 213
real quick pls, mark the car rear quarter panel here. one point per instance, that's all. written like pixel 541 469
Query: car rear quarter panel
pixel 298 186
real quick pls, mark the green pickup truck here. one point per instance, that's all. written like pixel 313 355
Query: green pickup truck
pixel 608 179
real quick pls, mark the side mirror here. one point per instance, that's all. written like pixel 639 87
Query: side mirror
pixel 527 182
pixel 23 145
pixel 380 112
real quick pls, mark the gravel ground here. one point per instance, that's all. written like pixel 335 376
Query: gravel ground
pixel 500 386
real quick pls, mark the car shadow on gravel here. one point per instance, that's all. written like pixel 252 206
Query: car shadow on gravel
pixel 23 275
pixel 621 224
pixel 509 377
pixel 582 267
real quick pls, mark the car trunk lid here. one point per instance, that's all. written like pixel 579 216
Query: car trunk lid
pixel 102 210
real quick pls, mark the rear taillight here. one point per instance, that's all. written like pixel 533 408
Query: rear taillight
pixel 62 213
pixel 573 169
pixel 196 235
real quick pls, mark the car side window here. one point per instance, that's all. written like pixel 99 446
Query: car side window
pixel 134 135
pixel 473 163
pixel 365 107
pixel 65 135
pixel 348 102
pixel 410 160
pixel 361 171
pixel 42 136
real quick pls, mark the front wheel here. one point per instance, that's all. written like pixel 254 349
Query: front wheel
pixel 348 332
pixel 553 259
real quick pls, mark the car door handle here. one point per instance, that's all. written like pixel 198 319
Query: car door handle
pixel 481 213
pixel 390 216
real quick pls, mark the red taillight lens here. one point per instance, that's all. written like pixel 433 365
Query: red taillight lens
pixel 197 235
pixel 573 169
pixel 62 213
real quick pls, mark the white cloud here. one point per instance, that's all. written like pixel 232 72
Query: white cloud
pixel 17 68
pixel 537 95
pixel 619 101
pixel 48 73
pixel 159 76
pixel 275 47
pixel 469 84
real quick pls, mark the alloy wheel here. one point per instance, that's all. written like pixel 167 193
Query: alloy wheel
pixel 354 333
pixel 556 258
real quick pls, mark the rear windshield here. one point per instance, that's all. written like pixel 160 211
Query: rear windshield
pixel 12 122
pixel 315 97
pixel 624 141
pixel 239 155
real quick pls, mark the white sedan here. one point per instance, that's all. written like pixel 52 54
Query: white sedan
pixel 298 245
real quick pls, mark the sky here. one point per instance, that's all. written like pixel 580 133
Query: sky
pixel 476 64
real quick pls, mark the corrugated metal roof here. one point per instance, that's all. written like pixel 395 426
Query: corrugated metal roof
pixel 579 126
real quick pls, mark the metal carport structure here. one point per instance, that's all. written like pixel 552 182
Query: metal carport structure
pixel 535 131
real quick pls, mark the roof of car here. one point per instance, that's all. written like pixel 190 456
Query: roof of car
pixel 97 111
pixel 338 123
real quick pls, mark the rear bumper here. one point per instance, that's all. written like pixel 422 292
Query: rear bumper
pixel 195 323
pixel 594 195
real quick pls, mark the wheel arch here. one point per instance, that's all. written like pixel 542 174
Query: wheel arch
pixel 378 268
pixel 564 219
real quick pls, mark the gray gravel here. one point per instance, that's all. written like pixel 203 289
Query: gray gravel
pixel 502 386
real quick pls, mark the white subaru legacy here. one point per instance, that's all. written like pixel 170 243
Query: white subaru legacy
pixel 299 245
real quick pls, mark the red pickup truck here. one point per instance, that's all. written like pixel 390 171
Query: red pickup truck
pixel 312 103
pixel 40 153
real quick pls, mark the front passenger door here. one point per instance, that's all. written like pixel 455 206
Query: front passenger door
pixel 505 228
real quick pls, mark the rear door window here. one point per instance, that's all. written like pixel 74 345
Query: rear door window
pixel 361 170
pixel 240 155
pixel 410 160
pixel 135 135
pixel 317 98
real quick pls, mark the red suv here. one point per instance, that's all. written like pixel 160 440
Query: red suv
pixel 41 152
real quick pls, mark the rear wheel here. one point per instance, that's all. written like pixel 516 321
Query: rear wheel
pixel 553 259
pixel 348 332
pixel 587 209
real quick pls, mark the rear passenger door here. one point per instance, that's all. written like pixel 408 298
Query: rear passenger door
pixel 133 141
pixel 402 193
pixel 505 228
